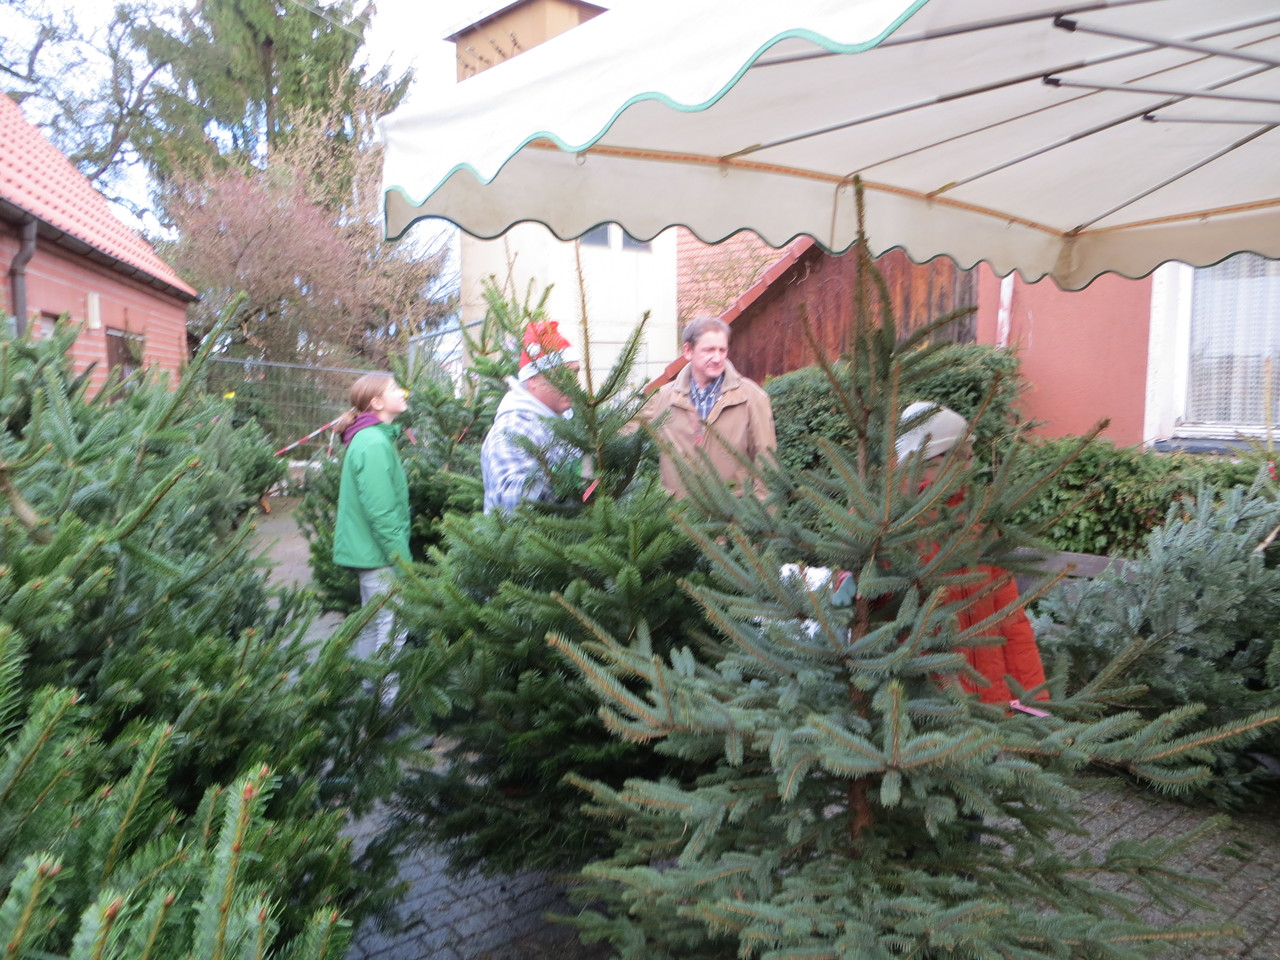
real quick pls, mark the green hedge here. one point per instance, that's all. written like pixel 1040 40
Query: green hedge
pixel 1110 498
pixel 805 409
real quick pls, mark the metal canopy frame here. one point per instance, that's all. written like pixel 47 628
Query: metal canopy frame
pixel 1146 113
pixel 1026 147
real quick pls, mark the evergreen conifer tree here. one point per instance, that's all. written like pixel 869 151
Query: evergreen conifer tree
pixel 92 868
pixel 513 720
pixel 861 804
pixel 128 577
pixel 1194 619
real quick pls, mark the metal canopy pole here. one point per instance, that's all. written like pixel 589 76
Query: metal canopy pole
pixel 1160 91
pixel 1246 121
pixel 1060 21
pixel 1066 23
pixel 1173 179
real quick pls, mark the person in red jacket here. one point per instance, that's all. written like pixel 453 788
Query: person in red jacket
pixel 932 432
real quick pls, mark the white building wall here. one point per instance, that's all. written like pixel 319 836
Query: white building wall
pixel 621 283
pixel 1167 354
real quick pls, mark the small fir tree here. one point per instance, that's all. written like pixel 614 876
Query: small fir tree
pixel 862 805
pixel 514 721
pixel 90 869
pixel 1193 619
pixel 127 575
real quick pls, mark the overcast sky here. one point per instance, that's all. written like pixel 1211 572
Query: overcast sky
pixel 408 34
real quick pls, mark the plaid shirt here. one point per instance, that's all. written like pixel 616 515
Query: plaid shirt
pixel 511 471
pixel 704 398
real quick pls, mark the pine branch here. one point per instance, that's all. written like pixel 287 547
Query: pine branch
pixel 178 399
pixel 35 736
pixel 141 785
pixel 1008 469
pixel 132 521
pixel 214 911
pixel 602 681
pixel 325 936
pixel 96 925
pixel 1234 734
pixel 36 528
pixel 145 931
pixel 21 913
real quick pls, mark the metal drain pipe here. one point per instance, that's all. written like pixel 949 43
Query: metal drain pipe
pixel 18 273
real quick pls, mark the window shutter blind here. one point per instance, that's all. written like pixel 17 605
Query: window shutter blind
pixel 1235 344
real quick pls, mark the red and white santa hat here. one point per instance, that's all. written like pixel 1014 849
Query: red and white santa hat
pixel 544 347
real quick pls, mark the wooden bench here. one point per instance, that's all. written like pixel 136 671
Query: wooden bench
pixel 1078 566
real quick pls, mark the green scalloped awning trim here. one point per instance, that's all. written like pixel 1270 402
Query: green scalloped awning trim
pixel 819 40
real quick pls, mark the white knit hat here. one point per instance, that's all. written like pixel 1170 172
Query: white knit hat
pixel 937 433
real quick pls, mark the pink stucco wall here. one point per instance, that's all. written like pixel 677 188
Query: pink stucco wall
pixel 58 282
pixel 1084 353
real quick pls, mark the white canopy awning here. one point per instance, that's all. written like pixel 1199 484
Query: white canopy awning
pixel 1050 139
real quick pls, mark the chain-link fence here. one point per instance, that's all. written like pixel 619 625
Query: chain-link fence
pixel 289 400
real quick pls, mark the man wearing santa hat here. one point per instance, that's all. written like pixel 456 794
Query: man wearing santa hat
pixel 521 428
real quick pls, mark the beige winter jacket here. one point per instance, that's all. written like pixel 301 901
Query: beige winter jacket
pixel 742 420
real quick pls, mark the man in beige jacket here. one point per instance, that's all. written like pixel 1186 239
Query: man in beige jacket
pixel 710 407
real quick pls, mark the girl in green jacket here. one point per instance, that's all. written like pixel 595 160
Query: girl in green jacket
pixel 372 527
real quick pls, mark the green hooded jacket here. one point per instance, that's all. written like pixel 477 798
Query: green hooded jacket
pixel 372 528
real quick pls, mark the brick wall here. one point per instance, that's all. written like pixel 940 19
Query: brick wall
pixel 59 282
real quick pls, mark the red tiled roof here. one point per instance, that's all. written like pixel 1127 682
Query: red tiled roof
pixel 37 178
pixel 789 255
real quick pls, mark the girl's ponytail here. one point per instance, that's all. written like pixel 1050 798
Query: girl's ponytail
pixel 363 393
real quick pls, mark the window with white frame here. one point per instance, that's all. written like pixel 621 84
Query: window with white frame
pixel 1233 359
pixel 1214 362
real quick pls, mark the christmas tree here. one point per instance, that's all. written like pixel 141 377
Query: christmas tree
pixel 511 717
pixel 94 868
pixel 1195 618
pixel 862 804
pixel 128 579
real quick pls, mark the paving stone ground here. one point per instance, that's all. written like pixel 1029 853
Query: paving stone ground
pixel 1242 858
pixel 471 918
pixel 502 918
